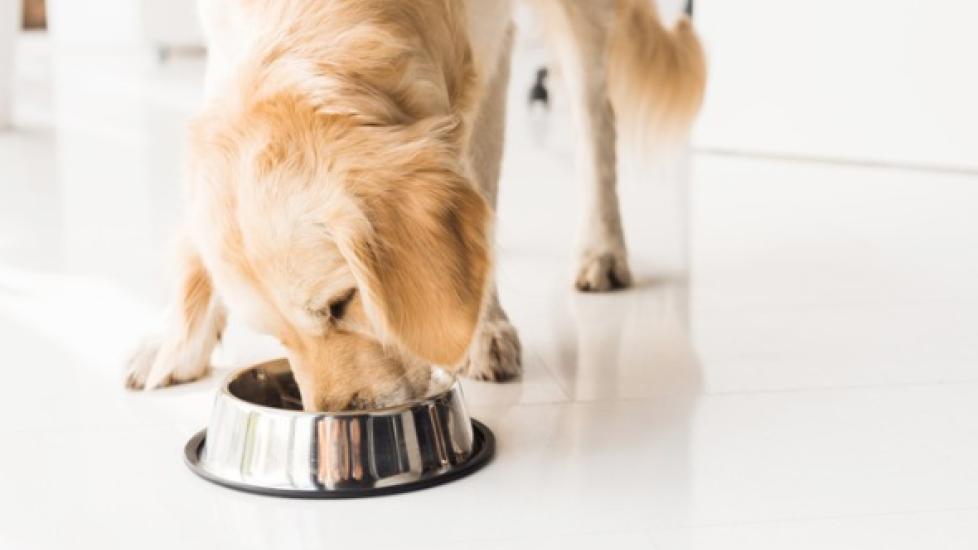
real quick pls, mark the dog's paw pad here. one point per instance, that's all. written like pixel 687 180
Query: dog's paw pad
pixel 495 355
pixel 603 272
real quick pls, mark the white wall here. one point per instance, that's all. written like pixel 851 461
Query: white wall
pixel 9 25
pixel 872 80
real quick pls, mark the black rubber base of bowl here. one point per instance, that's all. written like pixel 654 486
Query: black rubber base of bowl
pixel 484 448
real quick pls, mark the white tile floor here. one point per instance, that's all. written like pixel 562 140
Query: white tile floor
pixel 796 368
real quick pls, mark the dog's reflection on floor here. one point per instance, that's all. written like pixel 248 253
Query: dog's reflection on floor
pixel 640 357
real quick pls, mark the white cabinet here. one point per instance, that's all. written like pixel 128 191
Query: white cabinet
pixel 125 23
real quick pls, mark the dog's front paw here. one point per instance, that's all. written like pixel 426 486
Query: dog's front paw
pixel 603 271
pixel 495 353
pixel 154 365
pixel 139 364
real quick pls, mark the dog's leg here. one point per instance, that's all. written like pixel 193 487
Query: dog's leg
pixel 579 31
pixel 195 321
pixel 495 351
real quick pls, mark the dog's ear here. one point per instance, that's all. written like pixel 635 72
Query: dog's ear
pixel 422 258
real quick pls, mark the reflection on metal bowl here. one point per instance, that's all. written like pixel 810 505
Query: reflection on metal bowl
pixel 260 440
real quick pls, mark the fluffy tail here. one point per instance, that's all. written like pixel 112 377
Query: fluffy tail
pixel 656 75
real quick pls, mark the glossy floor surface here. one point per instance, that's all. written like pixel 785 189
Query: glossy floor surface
pixel 796 367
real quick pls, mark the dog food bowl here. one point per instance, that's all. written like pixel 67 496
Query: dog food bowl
pixel 260 440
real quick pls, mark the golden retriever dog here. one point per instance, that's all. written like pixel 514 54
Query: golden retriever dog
pixel 343 177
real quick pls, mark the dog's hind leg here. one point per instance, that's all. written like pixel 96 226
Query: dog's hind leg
pixel 195 321
pixel 495 350
pixel 579 33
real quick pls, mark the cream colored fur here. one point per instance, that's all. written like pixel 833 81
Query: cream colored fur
pixel 343 171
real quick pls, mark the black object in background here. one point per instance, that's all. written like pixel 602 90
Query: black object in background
pixel 539 90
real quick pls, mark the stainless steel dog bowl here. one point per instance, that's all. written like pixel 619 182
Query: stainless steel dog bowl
pixel 260 440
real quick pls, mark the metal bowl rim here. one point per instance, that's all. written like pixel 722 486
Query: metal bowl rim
pixel 225 393
pixel 481 455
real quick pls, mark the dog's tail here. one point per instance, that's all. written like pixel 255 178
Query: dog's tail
pixel 656 75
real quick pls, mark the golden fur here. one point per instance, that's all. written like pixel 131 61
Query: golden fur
pixel 656 75
pixel 331 202
pixel 332 161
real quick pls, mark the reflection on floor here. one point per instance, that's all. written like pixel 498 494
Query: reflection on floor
pixel 795 367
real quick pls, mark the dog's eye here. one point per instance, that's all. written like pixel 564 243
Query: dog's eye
pixel 337 308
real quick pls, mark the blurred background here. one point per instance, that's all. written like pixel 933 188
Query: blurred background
pixel 870 81
pixel 796 366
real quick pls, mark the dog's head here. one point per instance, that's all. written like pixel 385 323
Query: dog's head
pixel 363 249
